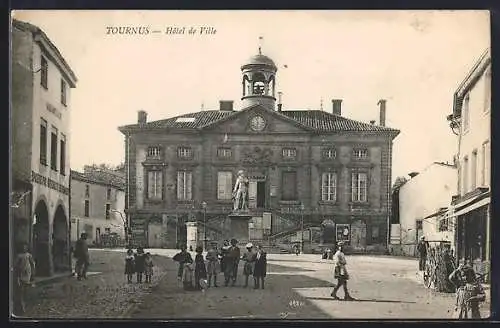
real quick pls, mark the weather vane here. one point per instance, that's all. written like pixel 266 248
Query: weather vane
pixel 260 44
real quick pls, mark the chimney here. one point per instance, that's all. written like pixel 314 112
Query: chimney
pixel 381 104
pixel 372 122
pixel 337 106
pixel 226 105
pixel 280 105
pixel 142 117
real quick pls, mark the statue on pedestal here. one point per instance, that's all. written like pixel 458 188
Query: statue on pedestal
pixel 240 192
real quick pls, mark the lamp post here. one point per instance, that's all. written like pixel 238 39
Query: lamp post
pixel 302 228
pixel 125 226
pixel 204 205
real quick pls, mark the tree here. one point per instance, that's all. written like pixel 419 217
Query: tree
pixel 400 181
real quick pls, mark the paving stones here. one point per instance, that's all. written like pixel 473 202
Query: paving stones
pixel 103 295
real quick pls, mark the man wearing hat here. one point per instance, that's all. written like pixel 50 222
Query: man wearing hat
pixel 422 252
pixel 231 263
pixel 81 254
pixel 340 273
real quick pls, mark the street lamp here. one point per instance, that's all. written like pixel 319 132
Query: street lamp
pixel 302 228
pixel 125 226
pixel 204 205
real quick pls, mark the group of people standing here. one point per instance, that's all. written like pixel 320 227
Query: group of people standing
pixel 138 263
pixel 200 273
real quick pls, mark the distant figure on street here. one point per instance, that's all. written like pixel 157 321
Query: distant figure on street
pixel 24 273
pixel 148 267
pixel 469 293
pixel 340 273
pixel 200 270
pixel 260 268
pixel 297 250
pixel 249 260
pixel 223 255
pixel 182 258
pixel 422 252
pixel 212 258
pixel 129 265
pixel 82 257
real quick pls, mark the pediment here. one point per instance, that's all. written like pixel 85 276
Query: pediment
pixel 257 119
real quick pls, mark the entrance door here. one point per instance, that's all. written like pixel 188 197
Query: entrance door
pixel 98 236
pixel 358 235
pixel 261 194
pixel 154 235
pixel 252 194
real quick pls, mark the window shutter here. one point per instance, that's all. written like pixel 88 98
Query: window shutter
pixel 354 187
pixel 159 185
pixel 151 182
pixel 189 186
pixel 180 185
pixel 289 184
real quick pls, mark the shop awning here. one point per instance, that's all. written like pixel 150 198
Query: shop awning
pixel 479 202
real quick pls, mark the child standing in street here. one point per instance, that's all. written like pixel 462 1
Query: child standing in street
pixel 129 265
pixel 148 267
pixel 187 275
pixel 139 264
pixel 24 272
pixel 200 270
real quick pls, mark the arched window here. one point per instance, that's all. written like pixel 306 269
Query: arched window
pixel 259 84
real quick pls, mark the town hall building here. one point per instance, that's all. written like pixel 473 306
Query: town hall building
pixel 307 170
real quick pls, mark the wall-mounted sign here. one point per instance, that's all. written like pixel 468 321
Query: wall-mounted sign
pixel 44 181
pixel 54 111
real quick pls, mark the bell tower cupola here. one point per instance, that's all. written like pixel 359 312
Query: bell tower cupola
pixel 259 84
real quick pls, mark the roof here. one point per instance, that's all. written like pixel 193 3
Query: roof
pixel 314 120
pixel 35 30
pixel 101 179
pixel 470 81
pixel 259 60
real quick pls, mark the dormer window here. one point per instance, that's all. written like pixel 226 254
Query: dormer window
pixel 185 152
pixel 329 153
pixel 289 153
pixel 360 153
pixel 224 152
pixel 154 152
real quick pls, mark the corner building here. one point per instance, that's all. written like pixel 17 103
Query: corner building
pixel 40 132
pixel 309 170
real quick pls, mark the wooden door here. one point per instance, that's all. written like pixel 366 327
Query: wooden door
pixel 252 194
pixel 358 235
pixel 154 235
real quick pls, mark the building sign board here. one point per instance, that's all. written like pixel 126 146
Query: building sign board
pixel 47 182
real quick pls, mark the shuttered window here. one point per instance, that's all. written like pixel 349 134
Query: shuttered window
pixel 289 185
pixel 184 185
pixel 224 185
pixel 155 183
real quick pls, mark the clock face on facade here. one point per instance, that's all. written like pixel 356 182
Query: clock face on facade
pixel 257 123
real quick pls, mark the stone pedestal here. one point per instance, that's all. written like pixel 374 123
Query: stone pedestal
pixel 192 235
pixel 239 226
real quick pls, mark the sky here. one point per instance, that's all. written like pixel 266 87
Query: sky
pixel 414 59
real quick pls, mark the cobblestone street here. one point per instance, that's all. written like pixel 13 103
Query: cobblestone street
pixel 105 294
pixel 297 287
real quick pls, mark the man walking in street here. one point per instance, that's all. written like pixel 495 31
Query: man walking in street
pixel 82 257
pixel 340 273
pixel 422 252
pixel 231 263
